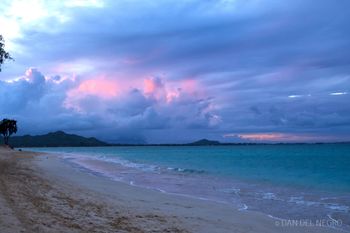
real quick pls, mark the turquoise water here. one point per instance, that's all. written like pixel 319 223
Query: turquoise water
pixel 324 167
pixel 288 181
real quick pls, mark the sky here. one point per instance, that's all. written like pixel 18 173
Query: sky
pixel 177 71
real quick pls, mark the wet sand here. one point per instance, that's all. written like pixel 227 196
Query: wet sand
pixel 41 193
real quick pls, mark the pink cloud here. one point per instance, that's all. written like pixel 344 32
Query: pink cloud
pixel 189 85
pixel 152 85
pixel 99 87
pixel 172 95
pixel 117 98
pixel 280 137
pixel 170 91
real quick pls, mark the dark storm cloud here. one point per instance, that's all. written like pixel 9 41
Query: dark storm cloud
pixel 52 103
pixel 195 39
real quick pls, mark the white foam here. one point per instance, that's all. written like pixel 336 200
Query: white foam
pixel 270 196
pixel 235 191
pixel 245 207
pixel 77 158
pixel 337 207
pixel 301 201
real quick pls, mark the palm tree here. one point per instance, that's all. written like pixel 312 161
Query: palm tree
pixel 7 128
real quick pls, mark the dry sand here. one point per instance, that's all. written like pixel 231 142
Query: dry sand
pixel 41 193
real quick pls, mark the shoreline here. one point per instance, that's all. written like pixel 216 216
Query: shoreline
pixel 281 202
pixel 52 192
pixel 131 183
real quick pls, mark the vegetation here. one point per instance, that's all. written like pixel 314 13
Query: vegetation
pixel 55 139
pixel 3 54
pixel 204 142
pixel 7 128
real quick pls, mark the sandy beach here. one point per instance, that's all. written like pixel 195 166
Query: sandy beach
pixel 41 193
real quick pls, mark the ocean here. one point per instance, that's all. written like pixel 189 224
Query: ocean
pixel 295 182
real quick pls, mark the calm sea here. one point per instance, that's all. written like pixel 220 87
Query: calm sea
pixel 283 181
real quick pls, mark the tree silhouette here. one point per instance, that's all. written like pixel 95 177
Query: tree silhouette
pixel 3 54
pixel 7 128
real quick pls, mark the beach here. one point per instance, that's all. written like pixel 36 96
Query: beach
pixel 41 193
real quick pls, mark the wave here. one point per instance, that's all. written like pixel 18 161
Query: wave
pixel 129 164
pixel 115 160
pixel 270 196
pixel 331 206
pixel 186 170
pixel 233 191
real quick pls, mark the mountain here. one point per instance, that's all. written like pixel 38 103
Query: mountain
pixel 55 139
pixel 62 139
pixel 204 142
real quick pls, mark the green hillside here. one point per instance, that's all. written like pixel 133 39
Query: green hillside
pixel 55 139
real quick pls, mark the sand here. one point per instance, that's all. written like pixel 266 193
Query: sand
pixel 42 193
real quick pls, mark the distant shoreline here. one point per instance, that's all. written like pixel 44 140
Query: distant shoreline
pixel 194 145
pixel 62 139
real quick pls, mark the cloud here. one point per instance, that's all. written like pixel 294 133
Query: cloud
pixel 338 93
pixel 92 106
pixel 280 137
pixel 201 69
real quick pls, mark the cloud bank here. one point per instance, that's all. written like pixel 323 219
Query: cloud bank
pixel 100 107
pixel 175 71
